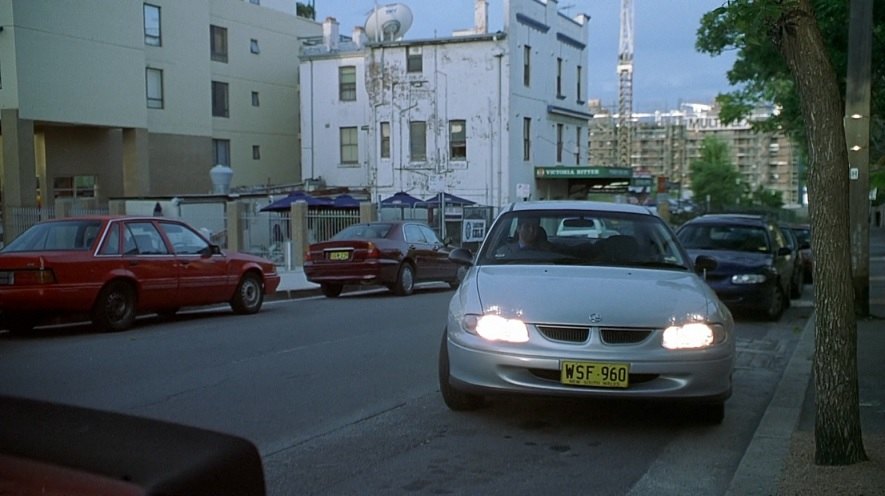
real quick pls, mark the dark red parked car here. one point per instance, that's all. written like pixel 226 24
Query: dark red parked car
pixel 396 254
pixel 112 268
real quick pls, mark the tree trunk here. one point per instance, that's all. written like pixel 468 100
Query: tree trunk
pixel 837 431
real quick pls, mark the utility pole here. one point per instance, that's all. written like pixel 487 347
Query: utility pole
pixel 857 135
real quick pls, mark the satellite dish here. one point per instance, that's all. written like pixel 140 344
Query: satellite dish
pixel 388 22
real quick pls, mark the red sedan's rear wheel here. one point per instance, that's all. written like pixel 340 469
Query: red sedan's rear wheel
pixel 114 310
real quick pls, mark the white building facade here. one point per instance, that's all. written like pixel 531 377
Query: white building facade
pixel 476 115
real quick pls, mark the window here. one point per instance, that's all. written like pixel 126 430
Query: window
pixel 527 66
pixel 111 245
pixel 145 237
pixel 74 186
pixel 413 234
pixel 559 78
pixel 154 87
pixel 152 25
pixel 256 152
pixel 221 152
pixel 347 83
pixel 526 138
pixel 458 140
pixel 255 99
pixel 414 59
pixel 220 103
pixel 418 141
pixel 218 43
pixel 578 146
pixel 578 88
pixel 185 241
pixel 559 129
pixel 253 46
pixel 349 145
pixel 385 140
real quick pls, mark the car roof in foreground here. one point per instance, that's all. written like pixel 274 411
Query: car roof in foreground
pixel 578 205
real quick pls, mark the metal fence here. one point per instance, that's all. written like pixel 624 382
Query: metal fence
pixel 322 224
pixel 269 234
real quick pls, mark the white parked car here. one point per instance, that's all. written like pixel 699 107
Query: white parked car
pixel 625 315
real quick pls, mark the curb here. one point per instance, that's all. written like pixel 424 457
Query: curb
pixel 760 469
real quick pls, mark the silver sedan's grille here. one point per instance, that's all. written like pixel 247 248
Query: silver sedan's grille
pixel 567 334
pixel 608 335
pixel 623 336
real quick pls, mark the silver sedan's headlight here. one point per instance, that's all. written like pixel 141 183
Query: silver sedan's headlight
pixel 692 336
pixel 496 328
pixel 748 278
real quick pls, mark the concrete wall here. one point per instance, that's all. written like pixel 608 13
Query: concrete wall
pixel 550 36
pixel 81 151
pixel 64 72
pixel 178 163
pixel 273 73
pixel 81 64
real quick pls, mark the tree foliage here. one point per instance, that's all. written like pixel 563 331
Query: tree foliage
pixel 760 76
pixel 764 198
pixel 715 182
pixel 306 10
pixel 792 53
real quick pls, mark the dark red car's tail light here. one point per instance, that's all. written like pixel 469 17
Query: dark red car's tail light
pixel 372 251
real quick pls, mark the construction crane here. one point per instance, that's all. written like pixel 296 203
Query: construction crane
pixel 625 85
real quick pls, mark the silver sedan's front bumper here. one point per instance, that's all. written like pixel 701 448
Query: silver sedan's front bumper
pixel 483 367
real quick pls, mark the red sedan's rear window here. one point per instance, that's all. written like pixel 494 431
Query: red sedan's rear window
pixel 57 236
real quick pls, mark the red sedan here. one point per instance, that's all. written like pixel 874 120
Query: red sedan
pixel 115 267
pixel 396 254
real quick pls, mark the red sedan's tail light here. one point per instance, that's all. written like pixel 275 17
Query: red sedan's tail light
pixel 33 277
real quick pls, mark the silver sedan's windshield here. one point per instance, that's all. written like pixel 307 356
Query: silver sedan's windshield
pixel 570 237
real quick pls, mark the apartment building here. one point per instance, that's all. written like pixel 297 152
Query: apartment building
pixel 667 143
pixel 110 98
pixel 477 114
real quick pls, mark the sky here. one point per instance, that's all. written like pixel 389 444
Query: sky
pixel 667 70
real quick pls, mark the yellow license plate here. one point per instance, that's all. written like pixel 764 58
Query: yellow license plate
pixel 601 374
pixel 339 255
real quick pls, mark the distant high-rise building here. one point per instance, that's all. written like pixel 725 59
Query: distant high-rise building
pixel 667 143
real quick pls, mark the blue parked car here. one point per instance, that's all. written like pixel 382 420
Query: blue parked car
pixel 754 260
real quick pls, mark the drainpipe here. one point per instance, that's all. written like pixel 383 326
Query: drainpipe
pixel 499 54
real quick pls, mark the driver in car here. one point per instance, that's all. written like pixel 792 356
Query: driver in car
pixel 529 236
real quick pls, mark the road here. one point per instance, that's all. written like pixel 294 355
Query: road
pixel 341 397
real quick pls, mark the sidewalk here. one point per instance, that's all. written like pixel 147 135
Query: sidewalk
pixel 780 457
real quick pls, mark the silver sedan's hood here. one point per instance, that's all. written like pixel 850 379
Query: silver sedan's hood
pixel 580 295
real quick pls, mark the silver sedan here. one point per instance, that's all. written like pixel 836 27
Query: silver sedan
pixel 620 314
